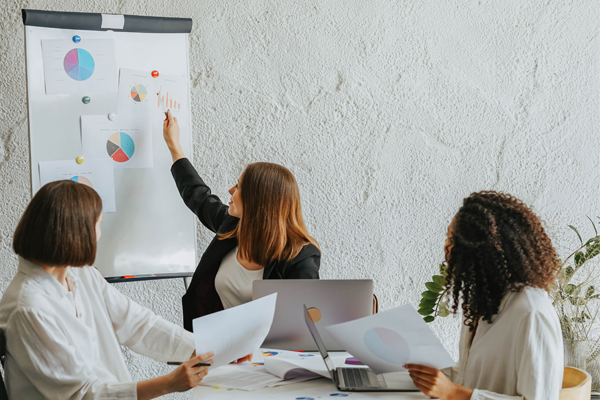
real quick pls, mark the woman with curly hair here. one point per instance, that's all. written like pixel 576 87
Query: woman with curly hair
pixel 501 265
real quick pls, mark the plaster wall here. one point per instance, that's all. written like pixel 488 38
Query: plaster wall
pixel 387 112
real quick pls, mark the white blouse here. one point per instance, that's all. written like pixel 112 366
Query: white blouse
pixel 234 282
pixel 519 354
pixel 66 344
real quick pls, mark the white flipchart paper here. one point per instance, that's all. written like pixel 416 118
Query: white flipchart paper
pixel 95 173
pixel 236 332
pixel 388 340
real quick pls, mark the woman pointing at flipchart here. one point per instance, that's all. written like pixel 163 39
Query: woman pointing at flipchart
pixel 260 235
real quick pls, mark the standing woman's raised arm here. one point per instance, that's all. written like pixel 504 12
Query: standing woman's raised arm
pixel 194 192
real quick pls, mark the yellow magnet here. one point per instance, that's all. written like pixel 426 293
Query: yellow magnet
pixel 80 160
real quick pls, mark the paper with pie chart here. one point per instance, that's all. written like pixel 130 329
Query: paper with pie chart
pixel 126 141
pixel 388 340
pixel 137 91
pixel 85 68
pixel 140 93
pixel 95 173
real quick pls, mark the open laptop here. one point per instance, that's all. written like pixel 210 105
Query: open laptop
pixel 357 379
pixel 331 302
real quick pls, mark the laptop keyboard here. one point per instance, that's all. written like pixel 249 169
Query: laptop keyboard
pixel 359 378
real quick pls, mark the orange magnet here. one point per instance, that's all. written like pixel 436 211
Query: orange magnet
pixel 155 74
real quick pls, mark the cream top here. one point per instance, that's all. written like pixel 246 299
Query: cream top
pixel 234 282
pixel 517 356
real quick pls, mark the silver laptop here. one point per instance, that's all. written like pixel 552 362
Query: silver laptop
pixel 357 379
pixel 330 302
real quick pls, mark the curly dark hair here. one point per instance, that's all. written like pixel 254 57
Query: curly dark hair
pixel 499 246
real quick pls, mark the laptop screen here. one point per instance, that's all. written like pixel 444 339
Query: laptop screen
pixel 320 345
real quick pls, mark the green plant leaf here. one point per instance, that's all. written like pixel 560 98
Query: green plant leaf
pixel 590 291
pixel 578 235
pixel 569 271
pixel 427 303
pixel 444 270
pixel 443 310
pixel 439 280
pixel 430 295
pixel 425 311
pixel 429 319
pixel 579 259
pixel 433 287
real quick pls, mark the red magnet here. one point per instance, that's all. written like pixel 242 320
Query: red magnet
pixel 155 74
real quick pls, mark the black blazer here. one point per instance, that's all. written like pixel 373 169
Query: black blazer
pixel 201 297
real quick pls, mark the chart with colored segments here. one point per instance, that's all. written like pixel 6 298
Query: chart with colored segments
pixel 138 93
pixel 84 68
pixel 79 64
pixel 82 180
pixel 120 147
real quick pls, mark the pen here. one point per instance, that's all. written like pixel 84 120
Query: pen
pixel 197 365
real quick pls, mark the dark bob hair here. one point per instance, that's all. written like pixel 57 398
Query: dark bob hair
pixel 58 227
pixel 499 246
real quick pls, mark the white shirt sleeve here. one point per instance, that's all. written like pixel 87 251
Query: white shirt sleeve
pixel 143 331
pixel 539 373
pixel 57 369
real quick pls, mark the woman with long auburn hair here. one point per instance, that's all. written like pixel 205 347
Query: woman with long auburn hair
pixel 260 235
pixel 501 265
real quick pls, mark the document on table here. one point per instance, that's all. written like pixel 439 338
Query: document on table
pixel 388 340
pixel 256 374
pixel 236 332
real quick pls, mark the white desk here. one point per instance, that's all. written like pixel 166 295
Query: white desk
pixel 201 391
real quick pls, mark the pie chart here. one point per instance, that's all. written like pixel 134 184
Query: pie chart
pixel 82 179
pixel 120 147
pixel 138 93
pixel 79 64
pixel 387 345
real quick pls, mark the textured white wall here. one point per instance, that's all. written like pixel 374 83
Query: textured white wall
pixel 388 112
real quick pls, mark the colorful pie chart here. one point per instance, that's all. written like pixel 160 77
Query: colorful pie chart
pixel 82 179
pixel 138 93
pixel 120 147
pixel 387 345
pixel 79 64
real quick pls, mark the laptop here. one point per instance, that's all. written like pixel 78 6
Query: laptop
pixel 331 302
pixel 356 379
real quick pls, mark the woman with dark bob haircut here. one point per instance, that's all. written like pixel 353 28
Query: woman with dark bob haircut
pixel 501 265
pixel 64 324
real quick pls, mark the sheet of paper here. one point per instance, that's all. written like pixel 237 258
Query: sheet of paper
pixel 85 68
pixel 95 173
pixel 233 333
pixel 388 340
pixel 140 93
pixel 126 141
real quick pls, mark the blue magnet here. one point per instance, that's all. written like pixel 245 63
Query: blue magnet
pixel 86 99
pixel 76 38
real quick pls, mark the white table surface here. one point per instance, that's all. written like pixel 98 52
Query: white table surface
pixel 337 358
pixel 201 391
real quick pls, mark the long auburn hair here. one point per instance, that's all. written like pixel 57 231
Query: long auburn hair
pixel 500 246
pixel 271 227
